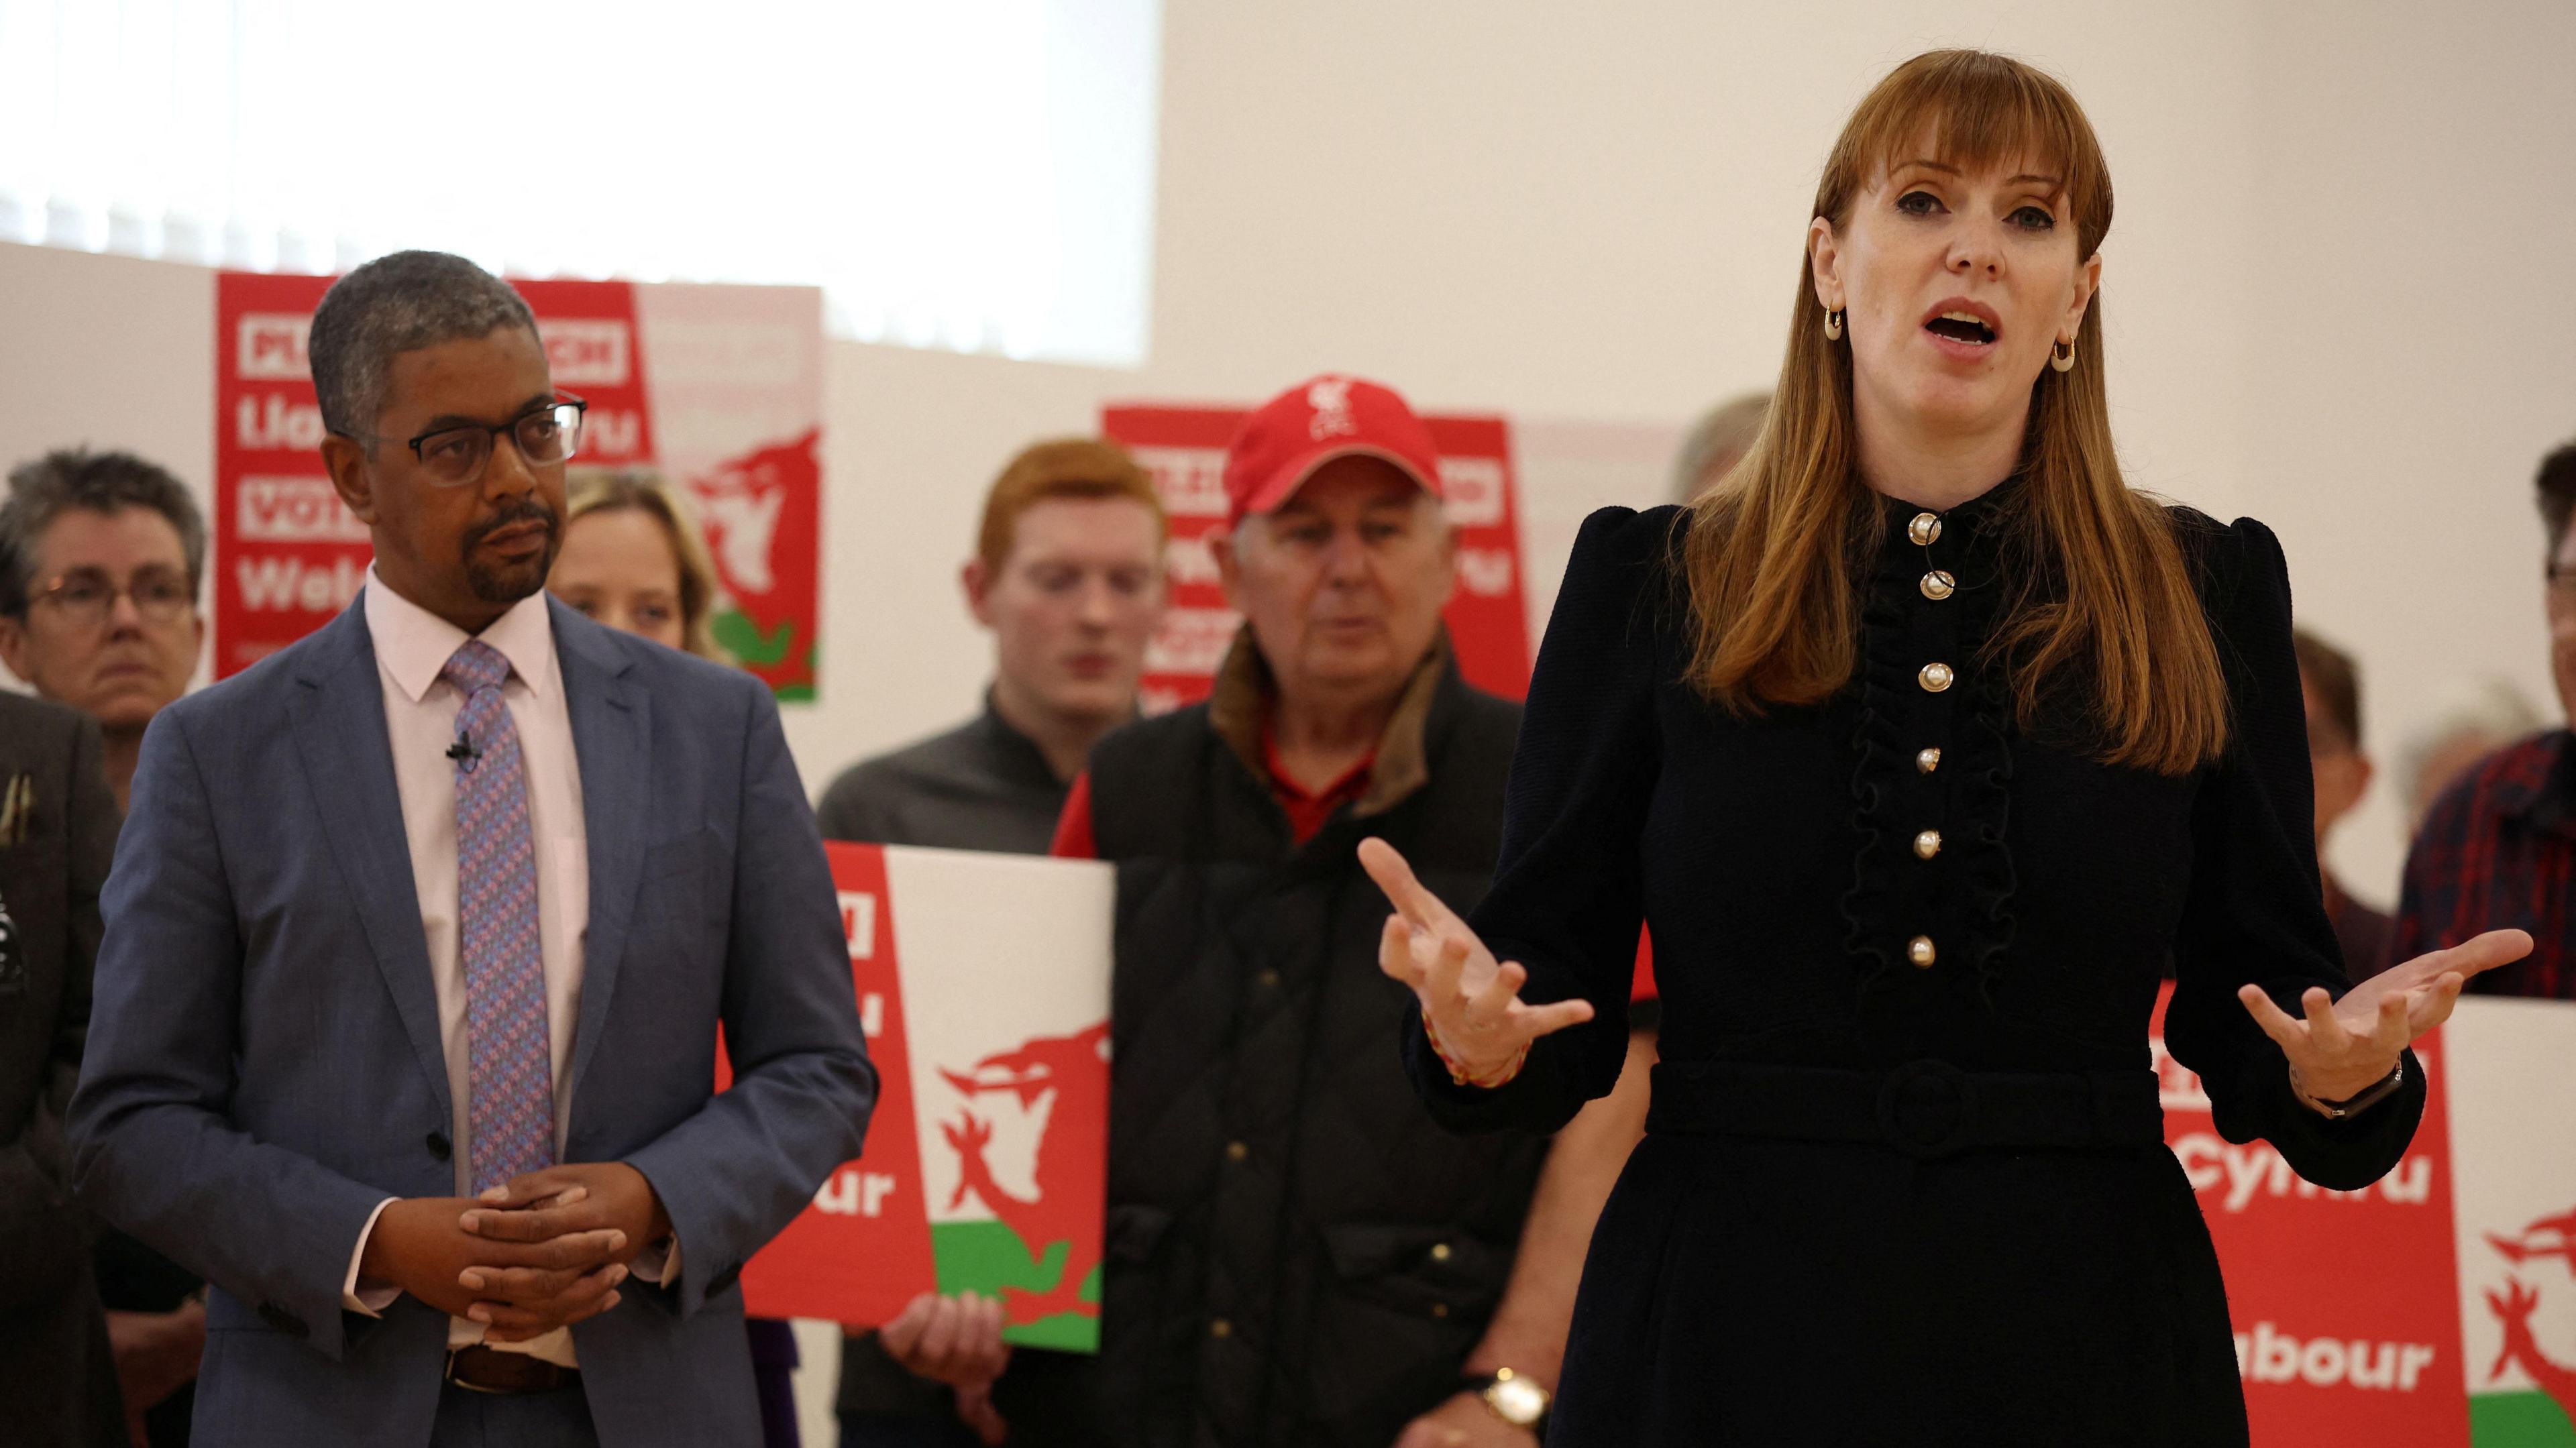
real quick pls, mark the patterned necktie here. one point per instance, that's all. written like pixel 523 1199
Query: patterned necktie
pixel 510 1088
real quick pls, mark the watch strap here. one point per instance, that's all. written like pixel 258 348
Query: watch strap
pixel 2380 1090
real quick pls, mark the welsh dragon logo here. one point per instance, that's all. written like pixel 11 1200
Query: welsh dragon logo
pixel 1070 1184
pixel 2548 1237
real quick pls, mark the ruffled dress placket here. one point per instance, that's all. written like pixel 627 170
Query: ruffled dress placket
pixel 1930 903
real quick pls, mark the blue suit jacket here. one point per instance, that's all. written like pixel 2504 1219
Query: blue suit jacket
pixel 264 1063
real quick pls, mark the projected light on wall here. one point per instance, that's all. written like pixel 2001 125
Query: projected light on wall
pixel 972 174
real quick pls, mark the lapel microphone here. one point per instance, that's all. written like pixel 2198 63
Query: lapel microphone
pixel 464 752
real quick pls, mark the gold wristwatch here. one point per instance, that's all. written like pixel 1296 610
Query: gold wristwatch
pixel 1517 1400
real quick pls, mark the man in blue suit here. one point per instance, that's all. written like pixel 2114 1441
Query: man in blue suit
pixel 418 943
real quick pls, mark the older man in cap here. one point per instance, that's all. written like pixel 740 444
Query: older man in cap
pixel 1298 1254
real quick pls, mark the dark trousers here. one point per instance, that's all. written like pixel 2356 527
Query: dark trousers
pixel 1048 1398
pixel 773 1377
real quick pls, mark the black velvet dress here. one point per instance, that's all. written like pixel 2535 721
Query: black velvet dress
pixel 1903 1183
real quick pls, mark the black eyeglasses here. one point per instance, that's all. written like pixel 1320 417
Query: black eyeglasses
pixel 456 456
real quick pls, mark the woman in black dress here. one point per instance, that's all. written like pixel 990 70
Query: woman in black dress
pixel 1923 747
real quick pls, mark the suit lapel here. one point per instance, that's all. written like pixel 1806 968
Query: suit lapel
pixel 612 737
pixel 339 721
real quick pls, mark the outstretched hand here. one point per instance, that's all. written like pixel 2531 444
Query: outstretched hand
pixel 1471 1001
pixel 2344 1047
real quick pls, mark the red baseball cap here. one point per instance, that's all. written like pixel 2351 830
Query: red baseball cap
pixel 1323 418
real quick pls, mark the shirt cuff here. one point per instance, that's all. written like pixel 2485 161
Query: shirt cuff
pixel 658 1264
pixel 371 1298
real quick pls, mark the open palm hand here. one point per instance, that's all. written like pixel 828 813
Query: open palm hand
pixel 2340 1048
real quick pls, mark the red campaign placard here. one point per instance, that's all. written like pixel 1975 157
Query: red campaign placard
pixel 1487 617
pixel 862 1250
pixel 2345 1305
pixel 289 555
pixel 763 516
pixel 1184 449
pixel 595 352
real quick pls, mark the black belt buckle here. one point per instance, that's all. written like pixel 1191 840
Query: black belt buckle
pixel 449 1374
pixel 1899 1091
pixel 524 1374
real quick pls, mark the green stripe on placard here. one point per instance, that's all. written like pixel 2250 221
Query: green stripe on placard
pixel 989 1258
pixel 2518 1420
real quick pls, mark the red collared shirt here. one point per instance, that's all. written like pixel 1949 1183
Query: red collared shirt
pixel 1308 810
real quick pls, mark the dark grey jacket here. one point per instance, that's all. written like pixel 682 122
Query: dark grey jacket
pixel 981 786
pixel 57 834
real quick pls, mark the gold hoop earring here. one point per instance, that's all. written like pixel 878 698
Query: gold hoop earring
pixel 2062 361
pixel 1833 324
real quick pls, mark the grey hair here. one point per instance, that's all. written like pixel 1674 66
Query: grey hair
pixel 398 303
pixel 1724 431
pixel 102 482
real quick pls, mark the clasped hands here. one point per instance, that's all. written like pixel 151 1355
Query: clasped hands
pixel 1471 1002
pixel 2342 1048
pixel 545 1251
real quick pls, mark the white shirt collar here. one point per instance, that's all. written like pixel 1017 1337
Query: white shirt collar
pixel 413 644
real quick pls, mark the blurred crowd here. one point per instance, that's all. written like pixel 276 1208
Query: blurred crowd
pixel 1339 710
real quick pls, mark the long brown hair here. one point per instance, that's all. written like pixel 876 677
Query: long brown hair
pixel 1769 560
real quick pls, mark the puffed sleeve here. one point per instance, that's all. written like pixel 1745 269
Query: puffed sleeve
pixel 2254 911
pixel 1567 898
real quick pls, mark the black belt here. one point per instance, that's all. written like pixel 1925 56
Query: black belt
pixel 490 1370
pixel 1923 1108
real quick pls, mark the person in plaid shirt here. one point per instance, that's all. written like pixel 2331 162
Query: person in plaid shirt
pixel 2499 847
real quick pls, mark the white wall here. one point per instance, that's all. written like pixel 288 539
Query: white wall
pixel 1495 209
pixel 110 352
pixel 2331 288
pixel 2409 359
